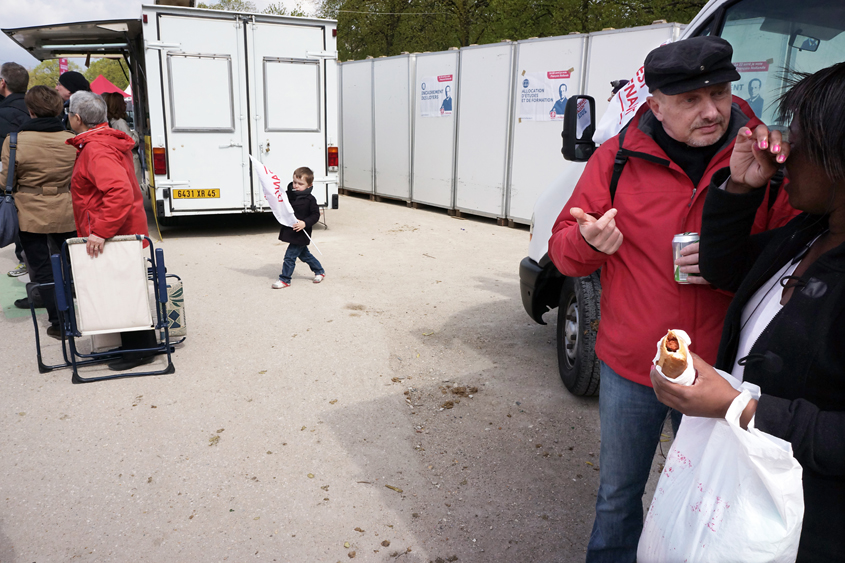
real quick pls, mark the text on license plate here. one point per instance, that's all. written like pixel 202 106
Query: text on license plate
pixel 195 194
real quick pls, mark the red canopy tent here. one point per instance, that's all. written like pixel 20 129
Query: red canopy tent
pixel 101 85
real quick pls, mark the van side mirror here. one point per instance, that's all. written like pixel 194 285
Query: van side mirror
pixel 579 125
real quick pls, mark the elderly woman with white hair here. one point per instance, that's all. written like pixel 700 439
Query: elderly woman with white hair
pixel 106 198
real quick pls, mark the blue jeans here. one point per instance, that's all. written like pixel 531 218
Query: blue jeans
pixel 631 422
pixel 295 251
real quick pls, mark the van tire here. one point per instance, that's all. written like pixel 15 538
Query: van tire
pixel 578 319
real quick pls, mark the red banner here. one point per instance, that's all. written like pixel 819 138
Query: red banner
pixel 760 66
pixel 557 74
pixel 62 66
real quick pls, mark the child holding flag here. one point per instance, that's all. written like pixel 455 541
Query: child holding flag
pixel 307 214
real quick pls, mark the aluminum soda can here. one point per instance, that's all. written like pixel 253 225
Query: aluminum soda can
pixel 678 242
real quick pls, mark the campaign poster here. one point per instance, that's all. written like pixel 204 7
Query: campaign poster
pixel 752 84
pixel 543 95
pixel 436 96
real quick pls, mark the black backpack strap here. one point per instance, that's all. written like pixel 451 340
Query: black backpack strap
pixel 10 178
pixel 621 159
pixel 774 186
pixel 618 165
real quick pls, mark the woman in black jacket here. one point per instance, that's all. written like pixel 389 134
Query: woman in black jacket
pixel 785 329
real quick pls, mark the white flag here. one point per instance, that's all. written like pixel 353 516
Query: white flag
pixel 276 194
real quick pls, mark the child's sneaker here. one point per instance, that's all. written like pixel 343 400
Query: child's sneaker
pixel 279 284
pixel 319 277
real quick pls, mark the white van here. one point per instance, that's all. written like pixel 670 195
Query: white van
pixel 212 87
pixel 768 36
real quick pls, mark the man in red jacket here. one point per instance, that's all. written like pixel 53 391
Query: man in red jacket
pixel 676 142
pixel 107 200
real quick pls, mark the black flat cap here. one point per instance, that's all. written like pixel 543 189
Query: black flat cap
pixel 74 81
pixel 690 64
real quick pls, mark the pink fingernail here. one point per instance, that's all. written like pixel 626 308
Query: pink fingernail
pixel 764 144
pixel 781 158
pixel 776 148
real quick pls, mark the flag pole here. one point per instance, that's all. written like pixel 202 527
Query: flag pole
pixel 312 241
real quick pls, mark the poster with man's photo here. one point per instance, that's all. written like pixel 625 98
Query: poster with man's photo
pixel 436 96
pixel 543 95
pixel 752 85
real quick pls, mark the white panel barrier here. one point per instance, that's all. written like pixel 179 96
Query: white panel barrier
pixel 490 144
pixel 392 125
pixel 436 103
pixel 618 54
pixel 548 71
pixel 356 119
pixel 483 128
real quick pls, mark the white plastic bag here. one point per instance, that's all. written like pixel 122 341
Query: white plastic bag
pixel 725 494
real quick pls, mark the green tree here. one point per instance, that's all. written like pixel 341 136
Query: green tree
pixel 388 27
pixel 47 73
pixel 114 70
pixel 230 5
pixel 279 9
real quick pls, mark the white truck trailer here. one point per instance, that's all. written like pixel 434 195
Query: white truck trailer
pixel 210 88
pixel 770 38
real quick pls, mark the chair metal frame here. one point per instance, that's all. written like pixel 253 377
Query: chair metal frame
pixel 63 284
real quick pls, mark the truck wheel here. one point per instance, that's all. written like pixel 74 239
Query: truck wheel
pixel 577 325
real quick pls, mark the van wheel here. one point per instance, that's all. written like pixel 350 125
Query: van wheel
pixel 577 325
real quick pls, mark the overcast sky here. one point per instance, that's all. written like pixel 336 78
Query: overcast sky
pixel 28 13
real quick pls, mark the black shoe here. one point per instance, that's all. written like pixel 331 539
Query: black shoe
pixel 55 331
pixel 123 365
pixel 23 303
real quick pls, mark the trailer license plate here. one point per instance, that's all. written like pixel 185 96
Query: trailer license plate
pixel 196 194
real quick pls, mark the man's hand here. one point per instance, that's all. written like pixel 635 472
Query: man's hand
pixel 298 226
pixel 689 264
pixel 601 233
pixel 756 157
pixel 94 245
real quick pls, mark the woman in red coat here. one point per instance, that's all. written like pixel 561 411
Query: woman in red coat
pixel 106 198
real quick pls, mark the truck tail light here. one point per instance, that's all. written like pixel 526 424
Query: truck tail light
pixel 159 162
pixel 332 154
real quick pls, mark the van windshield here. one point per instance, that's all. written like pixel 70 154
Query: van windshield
pixel 774 38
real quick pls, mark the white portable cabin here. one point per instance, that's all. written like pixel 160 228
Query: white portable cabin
pixel 356 127
pixel 484 119
pixel 212 87
pixel 435 128
pixel 392 125
pixel 553 64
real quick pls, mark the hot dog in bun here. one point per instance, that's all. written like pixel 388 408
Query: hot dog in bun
pixel 674 355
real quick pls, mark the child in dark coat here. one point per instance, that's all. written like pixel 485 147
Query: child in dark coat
pixel 305 209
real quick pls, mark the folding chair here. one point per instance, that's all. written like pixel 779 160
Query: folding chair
pixel 108 295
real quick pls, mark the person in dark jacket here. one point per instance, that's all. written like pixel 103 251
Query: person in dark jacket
pixel 70 83
pixel 306 210
pixel 785 328
pixel 13 114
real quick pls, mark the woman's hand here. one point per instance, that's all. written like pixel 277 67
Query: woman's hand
pixel 709 396
pixel 756 157
pixel 94 245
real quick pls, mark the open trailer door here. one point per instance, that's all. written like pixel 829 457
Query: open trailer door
pixel 202 125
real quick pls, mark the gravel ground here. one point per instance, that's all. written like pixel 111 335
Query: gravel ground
pixel 406 409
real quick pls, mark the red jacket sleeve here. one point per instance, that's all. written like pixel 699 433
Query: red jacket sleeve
pixel 109 176
pixel 568 250
pixel 781 212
